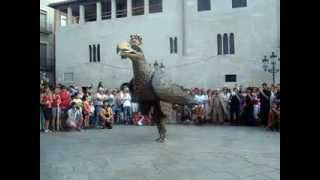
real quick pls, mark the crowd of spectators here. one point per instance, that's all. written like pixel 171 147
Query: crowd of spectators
pixel 72 108
pixel 252 106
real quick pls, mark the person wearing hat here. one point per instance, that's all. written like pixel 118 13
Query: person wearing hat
pixel 106 115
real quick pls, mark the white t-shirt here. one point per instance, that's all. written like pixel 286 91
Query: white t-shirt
pixel 272 97
pixel 74 115
pixel 198 98
pixel 201 98
pixel 91 108
pixel 204 98
pixel 226 97
pixel 127 100
pixel 98 99
pixel 110 99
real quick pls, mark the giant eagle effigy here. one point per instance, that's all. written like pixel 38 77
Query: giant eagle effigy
pixel 148 86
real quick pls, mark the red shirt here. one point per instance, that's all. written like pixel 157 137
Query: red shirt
pixel 47 100
pixel 56 100
pixel 86 107
pixel 65 99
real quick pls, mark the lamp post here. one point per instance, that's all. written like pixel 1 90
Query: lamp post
pixel 273 62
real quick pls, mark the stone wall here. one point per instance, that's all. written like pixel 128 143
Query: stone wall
pixel 256 30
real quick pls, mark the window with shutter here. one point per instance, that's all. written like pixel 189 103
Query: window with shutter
pixel 225 44
pixel 204 5
pixel 219 44
pixel 231 43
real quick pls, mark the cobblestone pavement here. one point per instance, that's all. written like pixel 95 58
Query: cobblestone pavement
pixel 192 153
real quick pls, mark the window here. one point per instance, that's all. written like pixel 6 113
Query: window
pixel 204 5
pixel 231 43
pixel 155 6
pixel 43 55
pixel 43 19
pixel 225 44
pixel 106 9
pixel 43 50
pixel 171 45
pixel 231 78
pixel 90 53
pixel 68 77
pixel 94 53
pixel 121 8
pixel 98 52
pixel 90 11
pixel 219 44
pixel 137 7
pixel 239 3
pixel 63 20
pixel 175 45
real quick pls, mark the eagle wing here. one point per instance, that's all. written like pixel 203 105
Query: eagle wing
pixel 170 92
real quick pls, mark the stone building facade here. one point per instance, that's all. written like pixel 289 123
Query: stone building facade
pixel 47 42
pixel 202 43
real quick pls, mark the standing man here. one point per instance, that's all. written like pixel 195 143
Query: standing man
pixel 98 103
pixel 264 97
pixel 235 107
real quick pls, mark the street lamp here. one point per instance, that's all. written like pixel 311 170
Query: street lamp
pixel 266 65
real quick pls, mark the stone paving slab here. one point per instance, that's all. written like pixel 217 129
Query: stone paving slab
pixel 192 152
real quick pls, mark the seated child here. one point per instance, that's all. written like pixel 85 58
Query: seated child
pixel 200 113
pixel 74 120
pixel 138 119
pixel 106 116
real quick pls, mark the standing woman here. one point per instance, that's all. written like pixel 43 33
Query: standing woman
pixel 119 107
pixel 248 115
pixel 256 104
pixel 218 108
pixel 42 120
pixel 64 105
pixel 264 96
pixel 127 106
pixel 209 106
pixel 272 94
pixel 79 106
pixel 46 101
pixel 235 103
pixel 56 111
pixel 226 96
pixel 98 102
pixel 86 111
